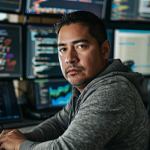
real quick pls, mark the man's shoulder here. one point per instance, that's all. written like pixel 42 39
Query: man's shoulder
pixel 110 81
pixel 110 89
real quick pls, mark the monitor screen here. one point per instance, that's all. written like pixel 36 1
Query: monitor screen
pixel 10 51
pixel 9 109
pixel 59 7
pixel 133 46
pixel 110 36
pixel 138 10
pixel 41 52
pixel 11 6
pixel 51 93
pixel 3 16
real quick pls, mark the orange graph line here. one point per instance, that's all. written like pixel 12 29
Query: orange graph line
pixel 12 2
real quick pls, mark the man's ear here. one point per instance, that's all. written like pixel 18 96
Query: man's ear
pixel 105 49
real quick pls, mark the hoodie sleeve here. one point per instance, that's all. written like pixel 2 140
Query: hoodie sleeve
pixel 51 128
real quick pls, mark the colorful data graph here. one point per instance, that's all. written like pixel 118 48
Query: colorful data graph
pixel 84 1
pixel 61 100
pixel 119 9
pixel 10 2
pixel 61 95
pixel 7 62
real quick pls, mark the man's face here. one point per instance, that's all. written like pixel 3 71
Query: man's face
pixel 80 56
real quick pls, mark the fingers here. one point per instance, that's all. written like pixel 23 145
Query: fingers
pixel 5 136
pixel 2 146
pixel 11 139
pixel 5 132
pixel 8 131
pixel 2 140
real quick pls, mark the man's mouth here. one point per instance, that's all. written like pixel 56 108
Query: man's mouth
pixel 73 71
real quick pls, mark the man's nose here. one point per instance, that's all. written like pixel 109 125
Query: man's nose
pixel 71 56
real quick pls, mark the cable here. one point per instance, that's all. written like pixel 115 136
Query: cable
pixel 28 87
pixel 148 90
pixel 25 19
pixel 20 89
pixel 2 128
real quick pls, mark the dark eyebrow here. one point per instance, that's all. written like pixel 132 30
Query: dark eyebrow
pixel 61 44
pixel 81 40
pixel 73 42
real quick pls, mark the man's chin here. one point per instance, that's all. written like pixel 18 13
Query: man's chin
pixel 78 83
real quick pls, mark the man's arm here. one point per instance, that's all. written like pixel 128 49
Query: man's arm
pixel 49 129
pixel 29 136
pixel 53 127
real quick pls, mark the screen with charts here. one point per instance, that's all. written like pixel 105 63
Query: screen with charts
pixel 50 93
pixel 42 54
pixel 138 10
pixel 56 7
pixel 10 51
pixel 133 45
pixel 11 5
pixel 110 37
pixel 9 110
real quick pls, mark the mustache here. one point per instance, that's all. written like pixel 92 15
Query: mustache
pixel 73 66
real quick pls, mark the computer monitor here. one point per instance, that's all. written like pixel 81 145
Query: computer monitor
pixel 59 7
pixel 41 52
pixel 10 51
pixel 3 16
pixel 133 47
pixel 9 109
pixel 51 93
pixel 110 37
pixel 137 10
pixel 11 6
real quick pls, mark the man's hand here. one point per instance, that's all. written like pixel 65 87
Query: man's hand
pixel 11 139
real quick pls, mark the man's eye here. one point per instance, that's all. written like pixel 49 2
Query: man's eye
pixel 62 49
pixel 81 46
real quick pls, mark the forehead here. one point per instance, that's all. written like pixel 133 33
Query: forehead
pixel 72 32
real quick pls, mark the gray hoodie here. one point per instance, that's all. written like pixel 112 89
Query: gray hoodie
pixel 108 115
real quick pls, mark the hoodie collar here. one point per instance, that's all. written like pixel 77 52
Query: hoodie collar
pixel 114 65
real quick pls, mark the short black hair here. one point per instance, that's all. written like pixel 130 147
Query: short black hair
pixel 96 26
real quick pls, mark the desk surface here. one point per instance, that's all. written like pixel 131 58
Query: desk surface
pixel 22 124
pixel 26 129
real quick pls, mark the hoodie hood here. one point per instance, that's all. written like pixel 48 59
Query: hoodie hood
pixel 115 65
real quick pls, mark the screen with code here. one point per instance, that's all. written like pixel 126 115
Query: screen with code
pixel 134 46
pixel 10 6
pixel 138 10
pixel 59 7
pixel 42 54
pixel 110 37
pixel 10 51
pixel 9 110
pixel 51 93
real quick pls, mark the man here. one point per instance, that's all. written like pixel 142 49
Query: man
pixel 105 111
